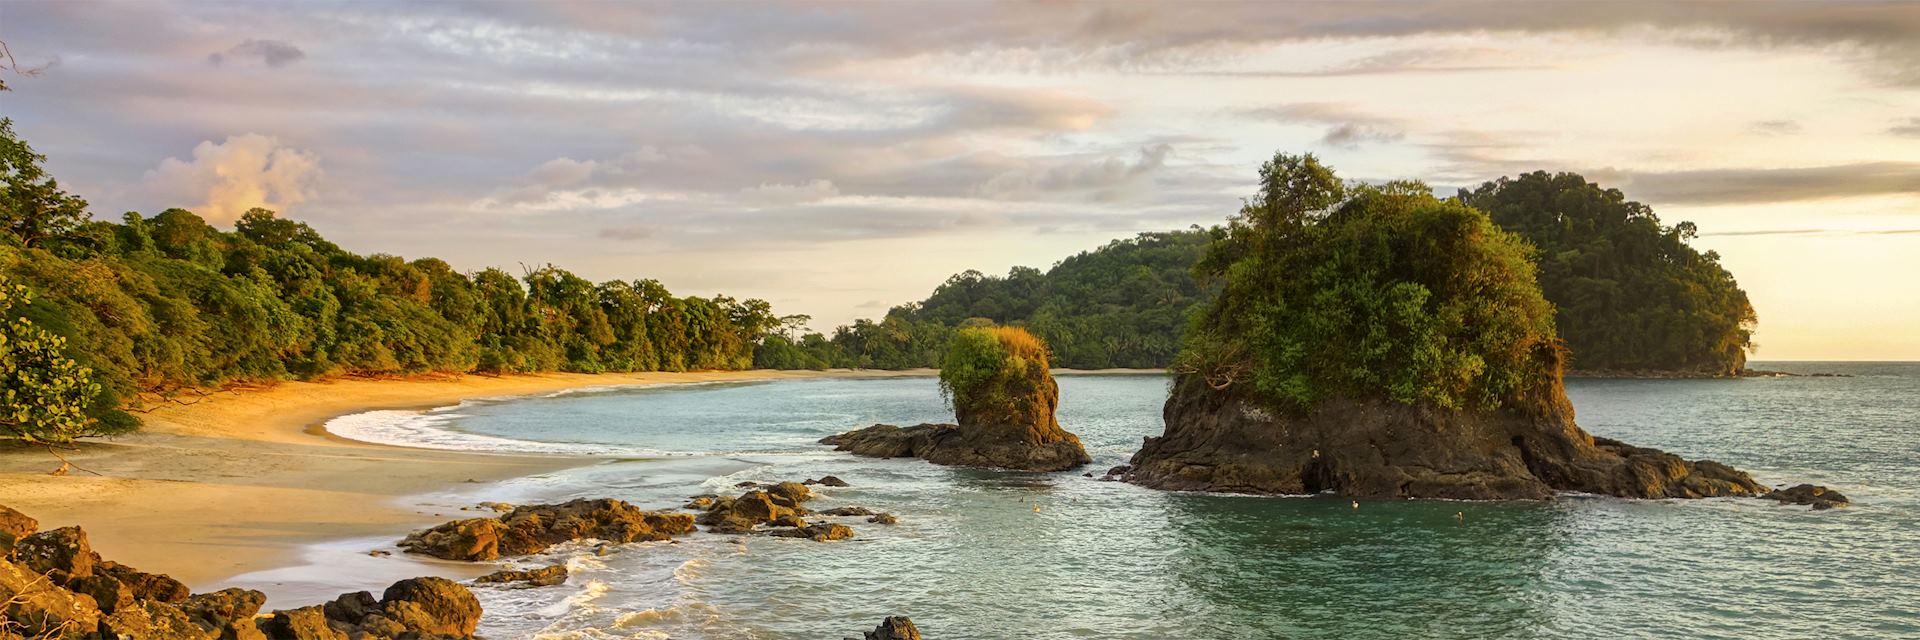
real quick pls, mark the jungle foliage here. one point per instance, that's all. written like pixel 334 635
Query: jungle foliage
pixel 151 308
pixel 1369 292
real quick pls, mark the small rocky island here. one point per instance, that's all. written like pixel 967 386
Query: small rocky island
pixel 1003 397
pixel 1376 341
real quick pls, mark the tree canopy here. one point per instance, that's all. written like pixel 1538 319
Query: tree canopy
pixel 1368 292
pixel 1631 294
pixel 151 308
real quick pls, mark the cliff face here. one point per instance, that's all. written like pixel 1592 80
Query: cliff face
pixel 1223 441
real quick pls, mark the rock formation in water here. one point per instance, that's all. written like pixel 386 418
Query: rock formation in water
pixel 1377 341
pixel 1818 497
pixel 54 586
pixel 532 528
pixel 1004 400
pixel 893 628
pixel 1225 441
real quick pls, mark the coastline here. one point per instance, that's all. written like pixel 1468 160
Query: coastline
pixel 242 481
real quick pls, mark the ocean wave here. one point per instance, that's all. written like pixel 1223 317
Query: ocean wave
pixel 430 430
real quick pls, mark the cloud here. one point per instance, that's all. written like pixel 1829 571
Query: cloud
pixel 1102 174
pixel 1909 128
pixel 1776 127
pixel 630 232
pixel 1750 186
pixel 225 179
pixel 771 194
pixel 272 53
pixel 1348 126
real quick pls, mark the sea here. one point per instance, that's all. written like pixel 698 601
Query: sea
pixel 991 554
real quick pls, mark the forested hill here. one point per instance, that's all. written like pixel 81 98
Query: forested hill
pixel 1121 305
pixel 1631 295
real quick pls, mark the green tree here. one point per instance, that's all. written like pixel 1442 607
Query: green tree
pixel 33 208
pixel 44 395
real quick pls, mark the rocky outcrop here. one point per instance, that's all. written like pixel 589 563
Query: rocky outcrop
pixel 413 608
pixel 894 628
pixel 777 504
pixel 1004 400
pixel 1818 497
pixel 542 577
pixel 955 445
pixel 533 528
pixel 827 481
pixel 15 525
pixel 57 588
pixel 1224 441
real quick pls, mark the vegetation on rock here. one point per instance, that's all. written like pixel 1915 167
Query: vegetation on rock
pixel 994 370
pixel 1332 291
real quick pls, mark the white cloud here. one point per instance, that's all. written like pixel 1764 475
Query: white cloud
pixel 225 179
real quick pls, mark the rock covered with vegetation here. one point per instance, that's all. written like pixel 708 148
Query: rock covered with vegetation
pixel 55 587
pixel 1378 341
pixel 893 628
pixel 1003 397
pixel 531 529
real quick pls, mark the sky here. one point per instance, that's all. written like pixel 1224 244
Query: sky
pixel 836 159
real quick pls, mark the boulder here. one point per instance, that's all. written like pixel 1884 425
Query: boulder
pixel 14 526
pixel 223 609
pixel 828 481
pixel 415 608
pixel 791 494
pixel 817 532
pixel 152 620
pixel 788 521
pixel 305 623
pixel 472 539
pixel 145 586
pixel 533 528
pixel 1818 497
pixel 894 628
pixel 432 606
pixel 542 577
pixel 742 514
pixel 847 511
pixel 107 593
pixel 38 608
pixel 883 518
pixel 62 553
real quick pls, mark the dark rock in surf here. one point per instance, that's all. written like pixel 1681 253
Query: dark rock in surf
pixel 894 628
pixel 777 505
pixel 883 518
pixel 817 532
pixel 828 481
pixel 847 511
pixel 1816 496
pixel 415 608
pixel 542 577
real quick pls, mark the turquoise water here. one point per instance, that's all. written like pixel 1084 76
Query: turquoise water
pixel 973 558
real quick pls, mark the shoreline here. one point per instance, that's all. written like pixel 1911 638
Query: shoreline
pixel 242 482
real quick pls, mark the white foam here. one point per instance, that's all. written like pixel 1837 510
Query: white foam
pixel 429 430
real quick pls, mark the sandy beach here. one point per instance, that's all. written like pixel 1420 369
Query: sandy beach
pixel 239 481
